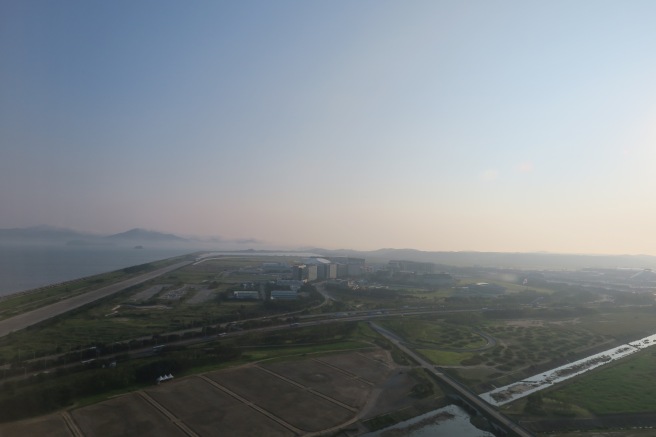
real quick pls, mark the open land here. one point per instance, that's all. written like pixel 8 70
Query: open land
pixel 482 341
pixel 285 398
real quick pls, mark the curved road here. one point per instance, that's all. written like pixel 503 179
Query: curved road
pixel 33 317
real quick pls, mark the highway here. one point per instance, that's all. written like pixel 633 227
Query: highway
pixel 470 397
pixel 30 318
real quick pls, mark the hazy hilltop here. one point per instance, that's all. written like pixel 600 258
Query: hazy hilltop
pixel 138 234
pixel 46 235
pixel 52 236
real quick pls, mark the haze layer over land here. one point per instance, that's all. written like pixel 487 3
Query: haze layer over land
pixel 496 126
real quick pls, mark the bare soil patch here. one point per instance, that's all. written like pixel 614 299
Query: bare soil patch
pixel 51 426
pixel 128 415
pixel 312 395
pixel 210 412
pixel 393 395
pixel 326 380
pixel 366 366
pixel 294 405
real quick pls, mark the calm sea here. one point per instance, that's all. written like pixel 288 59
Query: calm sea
pixel 27 267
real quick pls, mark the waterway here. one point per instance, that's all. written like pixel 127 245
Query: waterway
pixel 448 421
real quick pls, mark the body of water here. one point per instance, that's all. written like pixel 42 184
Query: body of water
pixel 27 267
pixel 448 421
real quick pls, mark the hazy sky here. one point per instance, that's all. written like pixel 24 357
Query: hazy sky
pixel 436 125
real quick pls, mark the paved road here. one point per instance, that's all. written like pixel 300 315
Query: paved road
pixel 468 396
pixel 30 318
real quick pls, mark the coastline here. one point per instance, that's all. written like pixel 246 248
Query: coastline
pixel 26 319
pixel 28 269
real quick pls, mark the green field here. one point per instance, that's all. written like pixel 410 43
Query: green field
pixel 431 333
pixel 627 386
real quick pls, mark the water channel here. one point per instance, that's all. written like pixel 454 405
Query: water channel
pixel 448 421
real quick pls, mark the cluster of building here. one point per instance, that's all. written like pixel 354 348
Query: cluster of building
pixel 293 277
pixel 339 267
pixel 346 272
pixel 288 291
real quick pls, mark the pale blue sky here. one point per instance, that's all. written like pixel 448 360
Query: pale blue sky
pixel 460 125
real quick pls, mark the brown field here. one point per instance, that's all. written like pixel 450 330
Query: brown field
pixel 209 411
pixel 290 398
pixel 368 367
pixel 326 380
pixel 297 406
pixel 128 415
pixel 51 426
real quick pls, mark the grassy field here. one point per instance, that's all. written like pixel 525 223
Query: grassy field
pixel 379 298
pixel 628 386
pixel 518 347
pixel 445 358
pixel 622 323
pixel 431 333
pixel 512 284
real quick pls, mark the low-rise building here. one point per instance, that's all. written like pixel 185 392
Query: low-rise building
pixel 246 294
pixel 283 295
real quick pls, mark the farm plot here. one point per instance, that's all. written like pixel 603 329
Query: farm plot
pixel 326 380
pixel 128 415
pixel 209 411
pixel 275 399
pixel 52 426
pixel 365 367
pixel 294 405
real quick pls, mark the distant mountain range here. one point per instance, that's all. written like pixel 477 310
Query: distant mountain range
pixel 48 235
pixel 535 260
pixel 52 235
pixel 145 235
pixel 148 238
